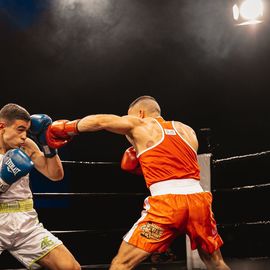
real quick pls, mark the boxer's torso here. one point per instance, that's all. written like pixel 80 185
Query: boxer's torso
pixel 171 157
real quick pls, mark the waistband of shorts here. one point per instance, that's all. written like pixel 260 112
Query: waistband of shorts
pixel 17 206
pixel 176 186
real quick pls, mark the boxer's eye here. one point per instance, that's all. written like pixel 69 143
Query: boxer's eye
pixel 21 129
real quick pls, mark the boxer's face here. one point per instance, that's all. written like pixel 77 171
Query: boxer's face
pixel 14 134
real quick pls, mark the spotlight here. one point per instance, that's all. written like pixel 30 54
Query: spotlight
pixel 248 12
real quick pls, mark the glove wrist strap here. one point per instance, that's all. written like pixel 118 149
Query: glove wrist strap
pixel 48 151
pixel 3 186
pixel 71 127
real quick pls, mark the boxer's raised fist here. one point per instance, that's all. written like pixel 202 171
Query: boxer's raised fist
pixel 37 131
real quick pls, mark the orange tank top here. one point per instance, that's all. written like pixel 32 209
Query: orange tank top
pixel 170 158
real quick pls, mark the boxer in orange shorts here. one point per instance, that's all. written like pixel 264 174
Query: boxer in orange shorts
pixel 165 152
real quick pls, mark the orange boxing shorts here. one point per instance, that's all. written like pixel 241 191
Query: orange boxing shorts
pixel 167 216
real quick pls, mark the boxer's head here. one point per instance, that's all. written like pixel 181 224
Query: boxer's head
pixel 14 123
pixel 144 106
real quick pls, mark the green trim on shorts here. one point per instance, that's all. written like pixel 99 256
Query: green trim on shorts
pixel 40 257
pixel 17 206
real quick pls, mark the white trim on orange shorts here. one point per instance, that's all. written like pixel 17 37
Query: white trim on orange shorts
pixel 176 186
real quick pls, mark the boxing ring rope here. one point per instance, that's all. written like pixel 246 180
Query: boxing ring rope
pixel 125 194
pixel 91 162
pixel 241 188
pixel 235 225
pixel 96 194
pixel 214 162
pixel 217 161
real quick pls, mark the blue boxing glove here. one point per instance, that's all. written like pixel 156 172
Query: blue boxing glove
pixel 37 131
pixel 15 164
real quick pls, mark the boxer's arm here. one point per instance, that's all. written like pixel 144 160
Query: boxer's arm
pixel 123 125
pixel 52 167
pixel 62 131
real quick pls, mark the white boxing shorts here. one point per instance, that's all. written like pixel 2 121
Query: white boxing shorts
pixel 23 235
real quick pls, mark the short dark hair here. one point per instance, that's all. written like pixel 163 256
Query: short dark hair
pixel 11 112
pixel 141 98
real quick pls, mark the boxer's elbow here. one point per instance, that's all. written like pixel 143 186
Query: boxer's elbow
pixel 57 175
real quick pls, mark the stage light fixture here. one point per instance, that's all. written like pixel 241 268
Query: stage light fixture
pixel 247 12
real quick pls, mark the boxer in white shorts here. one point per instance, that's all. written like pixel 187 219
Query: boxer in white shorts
pixel 23 235
pixel 21 232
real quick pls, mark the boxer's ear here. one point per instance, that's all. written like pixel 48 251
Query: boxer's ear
pixel 2 124
pixel 141 114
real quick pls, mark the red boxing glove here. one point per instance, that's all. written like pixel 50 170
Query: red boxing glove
pixel 60 132
pixel 64 129
pixel 130 162
pixel 55 142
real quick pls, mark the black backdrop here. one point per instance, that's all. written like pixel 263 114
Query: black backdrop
pixel 73 58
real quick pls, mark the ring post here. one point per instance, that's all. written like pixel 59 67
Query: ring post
pixel 193 259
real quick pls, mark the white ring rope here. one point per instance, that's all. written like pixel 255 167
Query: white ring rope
pixel 241 188
pixel 101 194
pixel 217 161
pixel 91 162
pixel 235 225
pixel 260 222
pixel 89 231
pixel 214 161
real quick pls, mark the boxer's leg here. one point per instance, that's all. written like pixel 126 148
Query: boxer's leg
pixel 128 257
pixel 59 259
pixel 214 260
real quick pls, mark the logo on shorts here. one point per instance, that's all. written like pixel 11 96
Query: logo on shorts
pixel 46 242
pixel 151 231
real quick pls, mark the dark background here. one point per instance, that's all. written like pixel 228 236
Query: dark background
pixel 72 58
